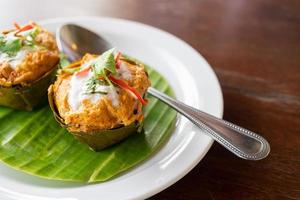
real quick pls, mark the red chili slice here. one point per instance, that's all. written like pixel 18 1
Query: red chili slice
pixel 24 28
pixel 117 59
pixel 128 88
pixel 83 71
pixel 17 26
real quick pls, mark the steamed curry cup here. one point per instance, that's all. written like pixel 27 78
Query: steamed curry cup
pixel 110 112
pixel 28 61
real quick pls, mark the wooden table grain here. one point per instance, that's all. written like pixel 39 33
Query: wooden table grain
pixel 254 48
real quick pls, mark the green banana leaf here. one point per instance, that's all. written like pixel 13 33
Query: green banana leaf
pixel 35 143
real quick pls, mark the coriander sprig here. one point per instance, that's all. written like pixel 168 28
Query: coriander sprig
pixel 101 67
pixel 11 43
pixel 11 47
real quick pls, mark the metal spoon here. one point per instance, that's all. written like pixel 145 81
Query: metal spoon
pixel 75 41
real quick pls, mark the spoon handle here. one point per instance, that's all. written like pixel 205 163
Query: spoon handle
pixel 242 142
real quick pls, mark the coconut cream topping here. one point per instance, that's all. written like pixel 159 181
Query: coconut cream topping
pixel 13 61
pixel 78 87
pixel 124 71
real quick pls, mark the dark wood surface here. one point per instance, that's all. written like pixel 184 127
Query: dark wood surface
pixel 254 48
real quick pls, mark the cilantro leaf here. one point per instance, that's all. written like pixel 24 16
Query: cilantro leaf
pixel 105 61
pixel 91 85
pixel 1 39
pixel 11 47
pixel 100 66
pixel 63 61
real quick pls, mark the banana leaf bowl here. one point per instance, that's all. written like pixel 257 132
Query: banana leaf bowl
pixel 27 96
pixel 99 139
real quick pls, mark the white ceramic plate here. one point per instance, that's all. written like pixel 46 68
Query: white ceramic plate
pixel 194 83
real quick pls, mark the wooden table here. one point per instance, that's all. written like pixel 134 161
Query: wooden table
pixel 254 47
